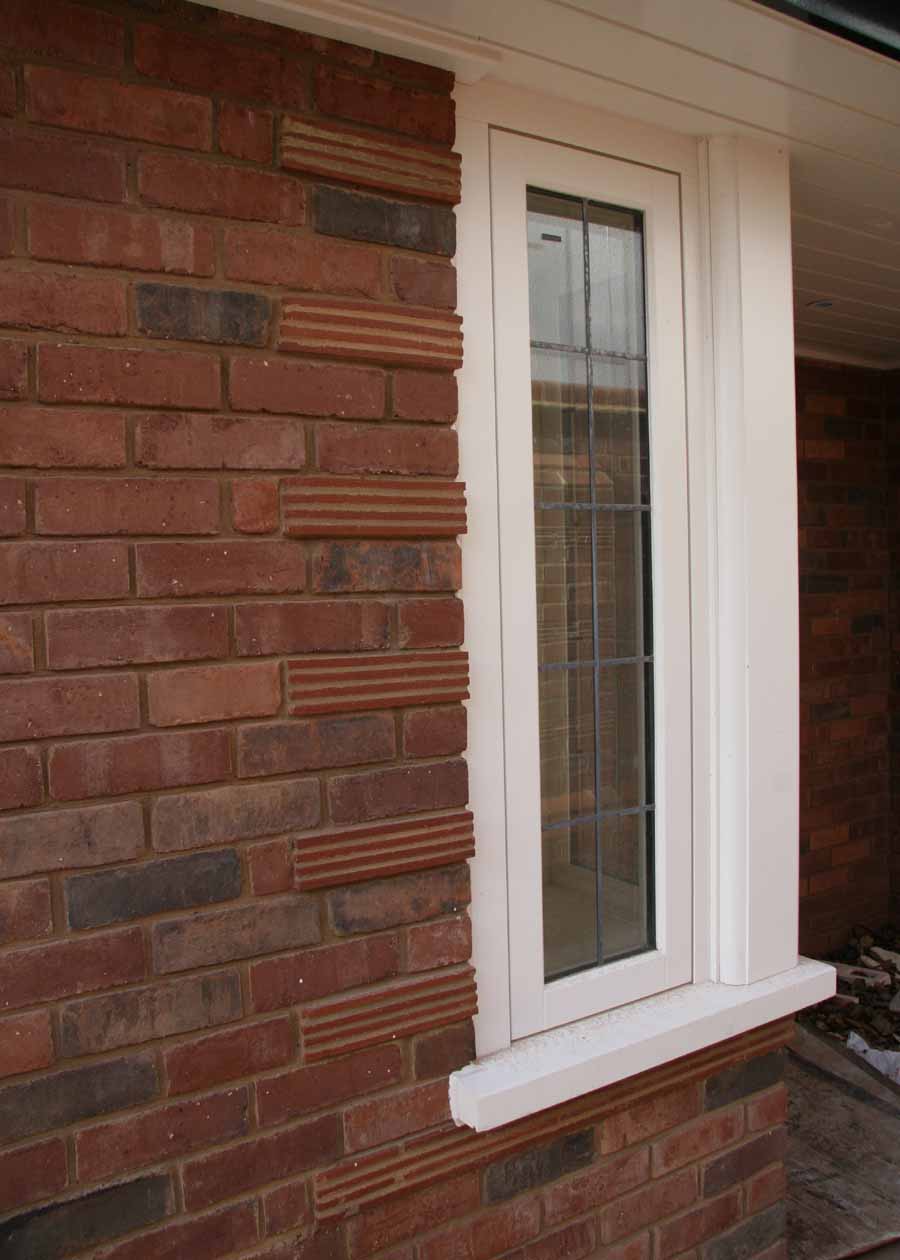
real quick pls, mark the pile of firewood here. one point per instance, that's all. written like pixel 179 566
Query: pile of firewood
pixel 868 998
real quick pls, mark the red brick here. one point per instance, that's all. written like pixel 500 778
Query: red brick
pixel 645 1119
pixel 26 1043
pixel 192 441
pixel 637 1249
pixel 227 1055
pixel 16 644
pixel 744 1161
pixel 142 763
pixel 8 104
pixel 61 839
pixel 314 626
pixel 401 1218
pixel 389 448
pixel 254 506
pixel 271 256
pixel 306 389
pixel 439 944
pixel 181 569
pixel 326 1084
pixel 38 707
pixel 386 566
pixel 71 32
pixel 206 1238
pixel 25 911
pixel 61 164
pixel 656 1201
pixel 271 1158
pixel 416 72
pixel 422 115
pixel 423 282
pixel 21 781
pixel 439 1053
pixel 67 303
pixel 425 623
pixel 425 396
pixel 504 1228
pixel 242 811
pixel 766 1188
pixel 90 103
pixel 287 1208
pixel 395 1116
pixel 77 639
pixel 243 931
pixel 570 1243
pixel 437 732
pixel 133 505
pixel 8 210
pixel 271 868
pixel 162 1133
pixel 119 238
pixel 314 744
pixel 232 192
pixel 404 790
pixel 213 693
pixel 32 1173
pixel 596 1186
pixel 215 67
pixel 12 513
pixel 312 974
pixel 36 573
pixel 43 437
pixel 403 899
pixel 706 1134
pixel 246 133
pixel 13 372
pixel 698 1225
pixel 153 378
pixel 768 1109
pixel 65 968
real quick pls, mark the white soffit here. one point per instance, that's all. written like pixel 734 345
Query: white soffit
pixel 701 67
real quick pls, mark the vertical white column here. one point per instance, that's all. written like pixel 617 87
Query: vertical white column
pixel 758 650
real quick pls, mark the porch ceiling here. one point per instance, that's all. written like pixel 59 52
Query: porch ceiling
pixel 700 67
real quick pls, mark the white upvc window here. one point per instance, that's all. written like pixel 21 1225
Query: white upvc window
pixel 626 435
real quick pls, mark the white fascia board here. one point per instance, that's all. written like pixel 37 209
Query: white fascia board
pixel 554 1067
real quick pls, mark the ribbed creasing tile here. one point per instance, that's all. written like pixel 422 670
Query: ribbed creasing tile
pixel 421 1161
pixel 370 507
pixel 339 329
pixel 388 680
pixel 339 1025
pixel 360 853
pixel 370 160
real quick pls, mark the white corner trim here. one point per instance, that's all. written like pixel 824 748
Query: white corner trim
pixel 469 59
pixel 552 1067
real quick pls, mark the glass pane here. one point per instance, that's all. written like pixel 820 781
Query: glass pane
pixel 556 269
pixel 616 247
pixel 625 886
pixel 559 427
pixel 570 899
pixel 565 585
pixel 566 699
pixel 623 703
pixel 624 621
pixel 621 440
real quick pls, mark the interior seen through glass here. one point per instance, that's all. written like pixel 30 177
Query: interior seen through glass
pixel 595 625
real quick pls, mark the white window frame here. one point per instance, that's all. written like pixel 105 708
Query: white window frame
pixel 518 162
pixel 738 372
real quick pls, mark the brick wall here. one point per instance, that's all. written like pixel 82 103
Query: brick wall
pixel 847 504
pixel 233 826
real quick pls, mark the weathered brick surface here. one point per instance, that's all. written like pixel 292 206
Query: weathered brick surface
pixel 234 937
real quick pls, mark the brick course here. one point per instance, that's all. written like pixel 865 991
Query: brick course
pixel 234 936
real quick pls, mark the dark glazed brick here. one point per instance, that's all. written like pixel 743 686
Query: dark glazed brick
pixel 750 1239
pixel 371 566
pixel 184 314
pixel 55 1101
pixel 136 891
pixel 431 229
pixel 743 1079
pixel 63 1228
pixel 742 1163
pixel 282 747
pixel 404 899
pixel 509 1177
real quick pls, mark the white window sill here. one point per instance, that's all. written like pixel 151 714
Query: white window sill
pixel 552 1067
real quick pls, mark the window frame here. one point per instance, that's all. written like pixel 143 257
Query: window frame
pixel 517 162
